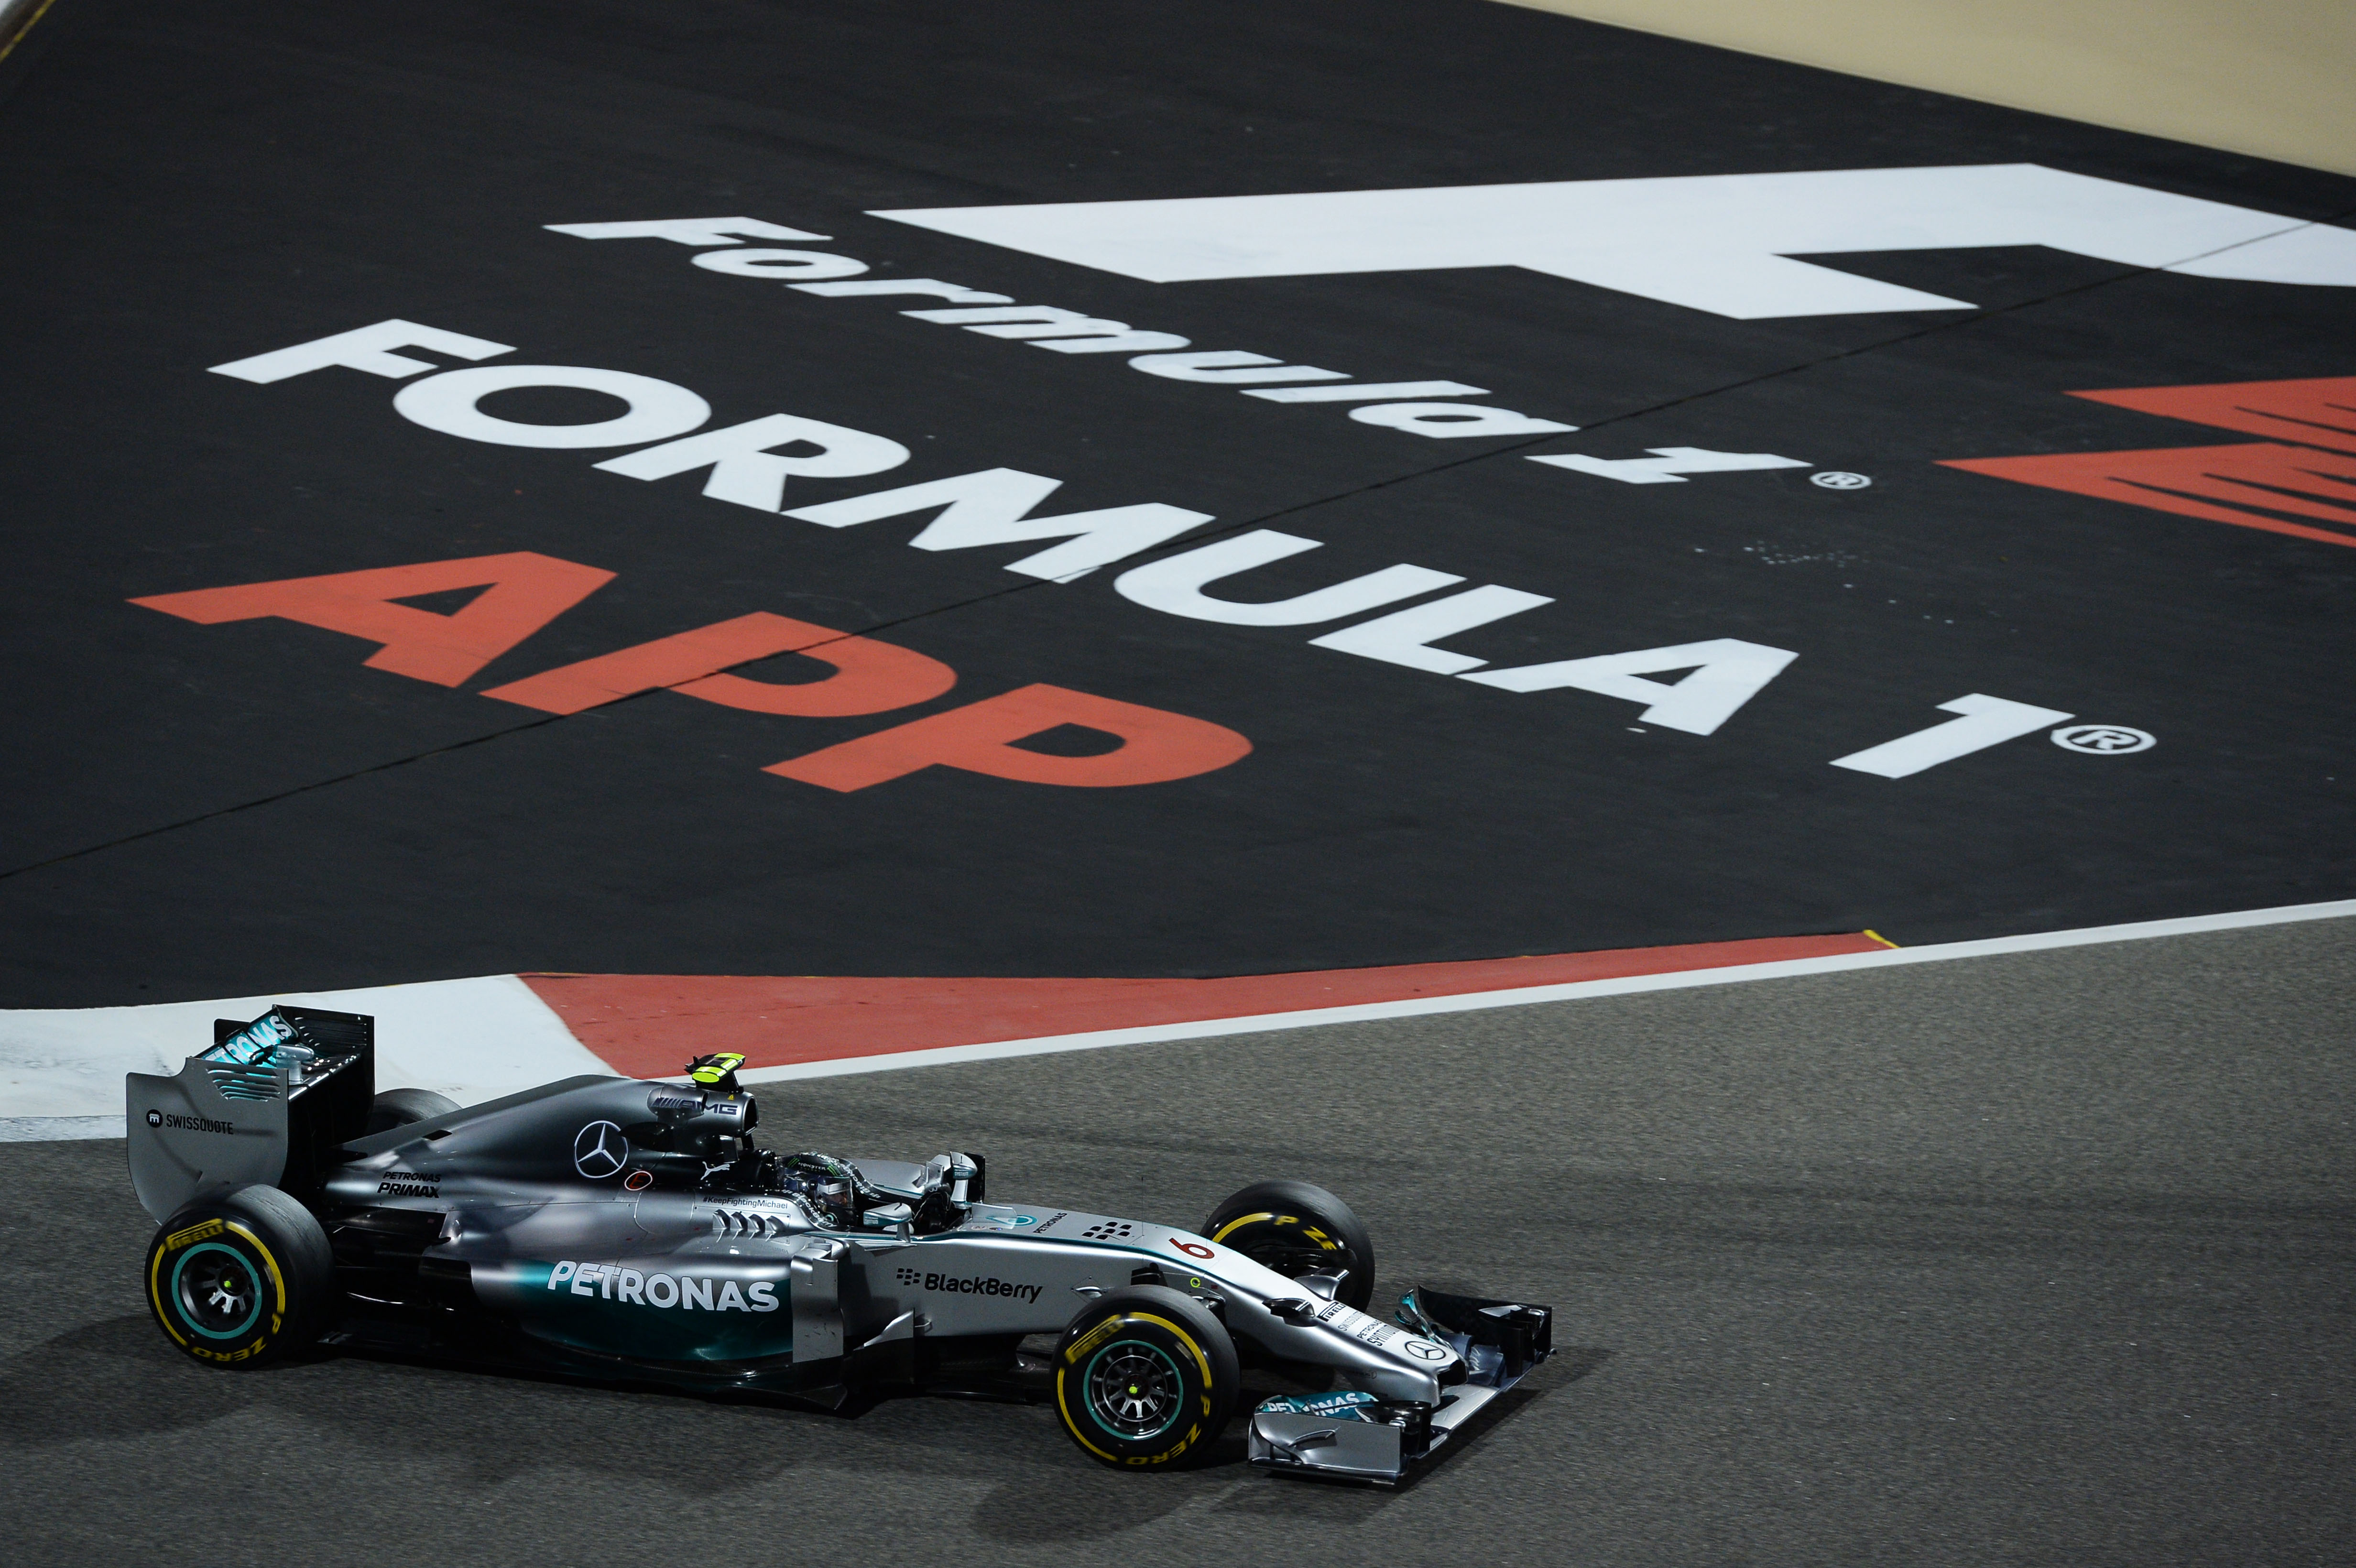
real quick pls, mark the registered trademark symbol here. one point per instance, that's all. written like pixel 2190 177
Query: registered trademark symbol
pixel 2104 739
pixel 1839 479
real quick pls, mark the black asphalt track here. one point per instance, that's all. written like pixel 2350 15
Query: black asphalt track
pixel 199 810
pixel 2025 1260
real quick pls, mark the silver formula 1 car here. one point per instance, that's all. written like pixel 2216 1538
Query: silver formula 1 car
pixel 635 1231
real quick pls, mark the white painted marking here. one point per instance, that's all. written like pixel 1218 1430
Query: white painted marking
pixel 1174 584
pixel 368 348
pixel 1668 463
pixel 471 1039
pixel 1727 673
pixel 993 507
pixel 1986 721
pixel 1405 637
pixel 657 409
pixel 687 230
pixel 475 1039
pixel 745 466
pixel 2104 740
pixel 1477 1001
pixel 1047 327
pixel 957 293
pixel 1370 393
pixel 1229 368
pixel 779 265
pixel 1452 421
pixel 1721 243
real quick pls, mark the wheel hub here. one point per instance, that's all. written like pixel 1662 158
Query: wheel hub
pixel 1134 1388
pixel 218 1291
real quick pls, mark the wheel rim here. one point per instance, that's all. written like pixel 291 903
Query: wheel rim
pixel 217 1290
pixel 1134 1389
pixel 1279 1246
pixel 1292 1258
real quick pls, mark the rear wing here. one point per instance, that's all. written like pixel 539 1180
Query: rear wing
pixel 271 1102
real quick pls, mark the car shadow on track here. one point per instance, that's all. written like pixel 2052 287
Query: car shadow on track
pixel 1091 1502
pixel 117 1379
pixel 114 1378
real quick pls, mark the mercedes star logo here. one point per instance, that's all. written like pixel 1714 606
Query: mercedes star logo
pixel 599 1150
pixel 1425 1350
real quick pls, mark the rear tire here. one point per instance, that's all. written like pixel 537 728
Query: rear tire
pixel 399 1107
pixel 1294 1229
pixel 242 1279
pixel 1146 1378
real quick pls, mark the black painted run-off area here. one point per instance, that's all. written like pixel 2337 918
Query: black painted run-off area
pixel 217 809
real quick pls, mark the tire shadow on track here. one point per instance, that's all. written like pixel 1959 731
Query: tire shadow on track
pixel 1117 1503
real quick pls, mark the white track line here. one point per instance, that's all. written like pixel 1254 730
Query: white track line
pixel 1522 996
pixel 60 1069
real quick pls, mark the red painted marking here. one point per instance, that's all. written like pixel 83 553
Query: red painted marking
pixel 521 592
pixel 648 1024
pixel 2238 484
pixel 1156 745
pixel 869 676
pixel 1193 1249
pixel 2317 412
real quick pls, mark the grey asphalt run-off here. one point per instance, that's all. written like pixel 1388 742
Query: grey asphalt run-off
pixel 2037 1258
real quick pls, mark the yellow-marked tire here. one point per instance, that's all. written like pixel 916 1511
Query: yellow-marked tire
pixel 241 1280
pixel 1295 1229
pixel 1146 1378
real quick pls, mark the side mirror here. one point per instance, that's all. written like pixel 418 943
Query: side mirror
pixel 1325 1286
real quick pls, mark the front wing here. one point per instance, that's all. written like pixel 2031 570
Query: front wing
pixel 1356 1436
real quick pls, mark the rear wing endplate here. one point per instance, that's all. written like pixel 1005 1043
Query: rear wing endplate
pixel 272 1101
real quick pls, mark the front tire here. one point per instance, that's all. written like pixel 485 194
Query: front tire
pixel 1296 1229
pixel 242 1279
pixel 1146 1378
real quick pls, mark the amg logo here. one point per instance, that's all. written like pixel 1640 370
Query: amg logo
pixel 409 1184
pixel 977 1284
pixel 199 1125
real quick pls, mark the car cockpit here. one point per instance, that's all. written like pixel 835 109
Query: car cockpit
pixel 702 1136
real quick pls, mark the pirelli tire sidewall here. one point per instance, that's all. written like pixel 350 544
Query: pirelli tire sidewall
pixel 1175 1336
pixel 1297 1228
pixel 242 1279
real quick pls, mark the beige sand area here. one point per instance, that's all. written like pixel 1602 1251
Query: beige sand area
pixel 2276 80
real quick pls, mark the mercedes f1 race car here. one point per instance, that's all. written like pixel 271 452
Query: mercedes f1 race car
pixel 635 1231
